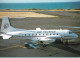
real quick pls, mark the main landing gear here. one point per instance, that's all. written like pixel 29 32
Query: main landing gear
pixel 42 44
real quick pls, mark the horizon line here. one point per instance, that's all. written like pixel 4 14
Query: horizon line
pixel 37 2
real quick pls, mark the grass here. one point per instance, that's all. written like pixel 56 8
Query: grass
pixel 24 14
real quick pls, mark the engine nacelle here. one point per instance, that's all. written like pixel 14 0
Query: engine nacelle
pixel 47 40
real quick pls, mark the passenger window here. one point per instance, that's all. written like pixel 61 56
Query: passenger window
pixel 70 32
pixel 29 34
pixel 32 34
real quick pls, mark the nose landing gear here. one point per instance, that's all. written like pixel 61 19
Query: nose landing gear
pixel 66 42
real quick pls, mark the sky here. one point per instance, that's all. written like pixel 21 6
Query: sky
pixel 35 1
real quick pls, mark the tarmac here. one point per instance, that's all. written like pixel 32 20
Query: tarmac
pixel 14 47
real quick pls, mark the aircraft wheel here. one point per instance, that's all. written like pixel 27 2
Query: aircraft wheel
pixel 66 42
pixel 44 45
pixel 41 41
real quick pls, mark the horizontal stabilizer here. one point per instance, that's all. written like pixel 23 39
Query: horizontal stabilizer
pixel 4 36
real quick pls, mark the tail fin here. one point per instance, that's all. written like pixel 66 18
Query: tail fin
pixel 5 28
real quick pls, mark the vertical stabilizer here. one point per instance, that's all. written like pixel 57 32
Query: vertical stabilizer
pixel 5 26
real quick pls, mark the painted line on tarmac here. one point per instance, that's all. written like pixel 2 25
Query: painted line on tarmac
pixel 22 46
pixel 12 47
pixel 9 47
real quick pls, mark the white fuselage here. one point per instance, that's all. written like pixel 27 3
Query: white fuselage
pixel 44 35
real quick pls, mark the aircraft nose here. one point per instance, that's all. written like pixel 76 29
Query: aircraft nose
pixel 76 36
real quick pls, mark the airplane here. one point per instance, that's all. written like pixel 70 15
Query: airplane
pixel 43 36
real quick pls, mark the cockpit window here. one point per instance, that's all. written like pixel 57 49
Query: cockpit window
pixel 70 32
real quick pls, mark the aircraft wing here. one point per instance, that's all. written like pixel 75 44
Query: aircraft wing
pixel 34 40
pixel 54 37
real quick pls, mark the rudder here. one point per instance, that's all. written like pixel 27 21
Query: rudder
pixel 5 26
